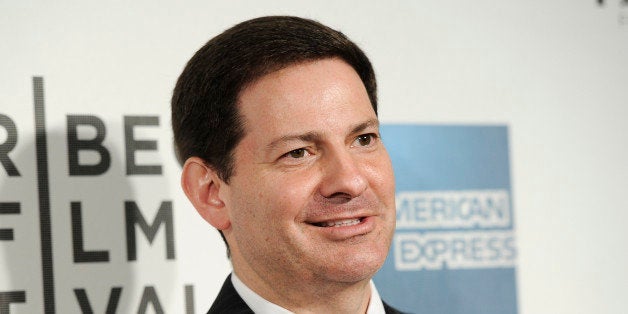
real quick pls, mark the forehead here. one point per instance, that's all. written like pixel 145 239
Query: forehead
pixel 312 96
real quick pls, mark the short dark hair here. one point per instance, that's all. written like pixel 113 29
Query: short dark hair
pixel 205 118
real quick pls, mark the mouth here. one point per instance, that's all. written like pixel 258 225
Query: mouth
pixel 339 223
pixel 344 228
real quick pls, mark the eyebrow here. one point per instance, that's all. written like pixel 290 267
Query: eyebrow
pixel 316 136
pixel 365 125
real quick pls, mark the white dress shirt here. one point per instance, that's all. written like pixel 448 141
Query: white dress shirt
pixel 260 305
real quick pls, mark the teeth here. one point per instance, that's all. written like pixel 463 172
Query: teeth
pixel 340 223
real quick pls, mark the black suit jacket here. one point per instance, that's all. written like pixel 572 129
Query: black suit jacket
pixel 229 301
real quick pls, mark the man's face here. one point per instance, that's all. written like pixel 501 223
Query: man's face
pixel 312 195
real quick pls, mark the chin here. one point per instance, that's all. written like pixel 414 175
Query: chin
pixel 357 268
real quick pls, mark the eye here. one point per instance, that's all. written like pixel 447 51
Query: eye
pixel 297 153
pixel 365 139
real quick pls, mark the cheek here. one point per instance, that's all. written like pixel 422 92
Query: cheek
pixel 292 192
pixel 381 175
pixel 279 198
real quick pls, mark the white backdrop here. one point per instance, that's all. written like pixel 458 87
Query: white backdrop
pixel 554 71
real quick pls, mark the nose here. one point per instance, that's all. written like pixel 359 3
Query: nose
pixel 343 177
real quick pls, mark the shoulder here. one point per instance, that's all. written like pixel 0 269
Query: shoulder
pixel 391 310
pixel 229 301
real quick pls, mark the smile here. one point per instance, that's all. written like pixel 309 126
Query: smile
pixel 339 223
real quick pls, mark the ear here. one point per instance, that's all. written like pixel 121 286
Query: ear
pixel 201 185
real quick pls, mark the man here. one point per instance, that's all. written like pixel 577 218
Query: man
pixel 275 123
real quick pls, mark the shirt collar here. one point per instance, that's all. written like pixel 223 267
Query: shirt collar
pixel 262 306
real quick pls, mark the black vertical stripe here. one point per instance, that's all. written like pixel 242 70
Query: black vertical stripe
pixel 189 299
pixel 41 148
